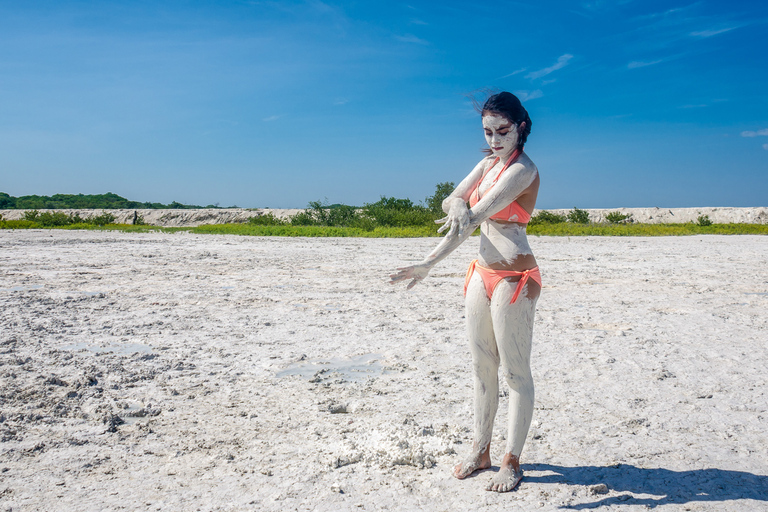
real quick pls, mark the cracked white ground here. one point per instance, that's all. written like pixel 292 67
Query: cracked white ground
pixel 183 372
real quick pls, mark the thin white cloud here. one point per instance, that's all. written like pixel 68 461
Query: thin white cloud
pixel 562 61
pixel 765 147
pixel 340 101
pixel 416 21
pixel 516 72
pixel 271 118
pixel 710 33
pixel 666 13
pixel 410 38
pixel 529 95
pixel 700 105
pixel 641 64
pixel 750 133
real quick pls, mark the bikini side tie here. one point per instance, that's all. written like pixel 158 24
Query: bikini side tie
pixel 496 276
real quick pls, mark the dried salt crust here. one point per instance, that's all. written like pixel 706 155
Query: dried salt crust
pixel 184 372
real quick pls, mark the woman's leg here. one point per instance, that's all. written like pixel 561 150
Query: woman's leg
pixel 485 367
pixel 513 328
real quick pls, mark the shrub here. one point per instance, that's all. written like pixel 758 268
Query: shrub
pixel 55 219
pixel 303 219
pixel 99 220
pixel 703 220
pixel 578 216
pixel 545 217
pixel 267 219
pixel 389 211
pixel 618 217
pixel 442 190
pixel 320 213
pixel 52 219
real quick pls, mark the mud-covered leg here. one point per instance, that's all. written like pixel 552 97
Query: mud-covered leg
pixel 513 327
pixel 485 366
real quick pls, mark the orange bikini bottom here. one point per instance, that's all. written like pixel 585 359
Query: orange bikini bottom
pixel 492 277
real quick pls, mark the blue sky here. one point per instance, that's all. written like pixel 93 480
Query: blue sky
pixel 277 103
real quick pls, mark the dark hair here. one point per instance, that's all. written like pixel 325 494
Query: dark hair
pixel 508 106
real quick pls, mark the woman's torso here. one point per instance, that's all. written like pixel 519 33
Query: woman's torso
pixel 504 244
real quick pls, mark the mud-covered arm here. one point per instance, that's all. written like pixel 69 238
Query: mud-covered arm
pixel 455 205
pixel 512 183
pixel 515 180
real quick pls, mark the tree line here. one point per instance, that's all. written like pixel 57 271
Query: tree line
pixel 108 201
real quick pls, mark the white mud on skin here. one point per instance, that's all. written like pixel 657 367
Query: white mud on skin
pixel 181 372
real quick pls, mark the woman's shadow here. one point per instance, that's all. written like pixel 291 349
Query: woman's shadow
pixel 666 486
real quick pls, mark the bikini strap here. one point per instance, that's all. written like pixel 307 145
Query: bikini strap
pixel 514 156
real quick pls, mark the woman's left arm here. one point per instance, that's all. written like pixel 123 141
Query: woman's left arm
pixel 515 180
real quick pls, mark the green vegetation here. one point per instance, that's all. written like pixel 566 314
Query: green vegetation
pixel 314 231
pixel 618 217
pixel 435 202
pixel 578 216
pixel 388 217
pixel 545 217
pixel 558 229
pixel 108 201
pixel 56 219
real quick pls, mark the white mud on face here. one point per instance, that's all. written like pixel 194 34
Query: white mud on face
pixel 181 372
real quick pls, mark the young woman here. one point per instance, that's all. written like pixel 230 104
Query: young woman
pixel 502 284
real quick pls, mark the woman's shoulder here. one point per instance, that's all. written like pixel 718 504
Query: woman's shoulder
pixel 486 162
pixel 527 164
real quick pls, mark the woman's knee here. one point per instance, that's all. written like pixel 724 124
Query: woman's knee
pixel 519 381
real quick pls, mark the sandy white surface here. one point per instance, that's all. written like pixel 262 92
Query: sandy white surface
pixel 183 372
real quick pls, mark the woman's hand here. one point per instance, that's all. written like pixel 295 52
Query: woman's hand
pixel 457 220
pixel 415 272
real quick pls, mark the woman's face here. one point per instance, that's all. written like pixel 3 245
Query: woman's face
pixel 501 134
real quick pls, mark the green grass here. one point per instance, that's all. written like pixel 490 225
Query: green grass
pixel 559 229
pixel 315 231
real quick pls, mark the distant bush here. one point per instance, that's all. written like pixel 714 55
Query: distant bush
pixel 101 220
pixel 618 217
pixel 56 219
pixel 319 213
pixel 545 217
pixel 392 212
pixel 703 220
pixel 578 216
pixel 267 219
pixel 442 191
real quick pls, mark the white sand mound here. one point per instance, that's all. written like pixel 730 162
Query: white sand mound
pixel 180 372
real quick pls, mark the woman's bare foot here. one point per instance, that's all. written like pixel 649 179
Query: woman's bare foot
pixel 509 475
pixel 475 462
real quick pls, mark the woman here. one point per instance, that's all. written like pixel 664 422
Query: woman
pixel 502 284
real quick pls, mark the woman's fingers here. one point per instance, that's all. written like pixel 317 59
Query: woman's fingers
pixel 402 273
pixel 413 283
pixel 441 221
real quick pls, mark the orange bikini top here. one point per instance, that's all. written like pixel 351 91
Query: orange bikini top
pixel 513 211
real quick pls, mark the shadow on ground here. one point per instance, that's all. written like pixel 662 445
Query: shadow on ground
pixel 667 487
